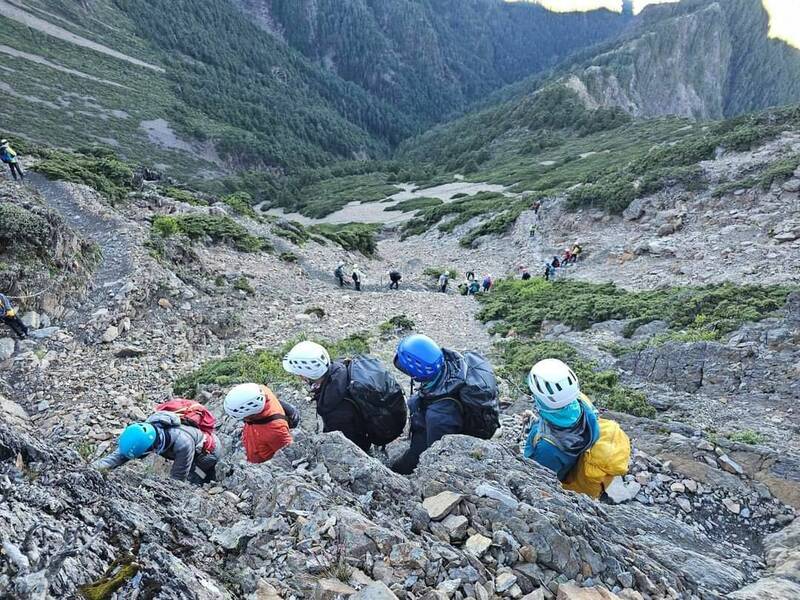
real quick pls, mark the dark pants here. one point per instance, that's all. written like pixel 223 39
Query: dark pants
pixel 394 285
pixel 17 326
pixel 204 468
pixel 16 169
pixel 340 279
pixel 357 284
pixel 428 425
pixel 443 289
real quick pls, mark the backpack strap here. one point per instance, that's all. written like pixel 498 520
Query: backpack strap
pixel 268 419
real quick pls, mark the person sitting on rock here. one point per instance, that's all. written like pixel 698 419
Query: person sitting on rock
pixel 444 403
pixel 329 381
pixel 10 317
pixel 568 424
pixel 394 279
pixel 267 420
pixel 193 453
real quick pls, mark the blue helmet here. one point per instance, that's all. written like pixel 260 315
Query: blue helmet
pixel 419 357
pixel 137 439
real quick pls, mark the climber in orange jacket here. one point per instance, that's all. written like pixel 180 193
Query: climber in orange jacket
pixel 267 420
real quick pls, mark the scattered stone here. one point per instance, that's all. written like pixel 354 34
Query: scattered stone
pixel 7 347
pixel 731 505
pixel 619 491
pixel 164 303
pixel 793 185
pixel 44 333
pixel 684 505
pixel 477 545
pixel 488 491
pixel 690 485
pixel 456 526
pixel 31 319
pixel 376 591
pixel 678 488
pixel 726 464
pixel 570 591
pixel 440 505
pixel 504 582
pixel 332 589
pixel 110 334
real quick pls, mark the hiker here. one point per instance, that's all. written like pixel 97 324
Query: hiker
pixel 339 274
pixel 444 279
pixel 181 431
pixel 567 257
pixel 549 272
pixel 394 278
pixel 267 420
pixel 470 275
pixel 10 317
pixel 474 287
pixel 457 395
pixel 532 231
pixel 584 452
pixel 487 283
pixel 9 156
pixel 358 397
pixel 536 206
pixel 356 278
pixel 526 275
pixel 556 263
pixel 577 249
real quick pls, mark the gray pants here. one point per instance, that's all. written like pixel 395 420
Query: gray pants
pixel 204 468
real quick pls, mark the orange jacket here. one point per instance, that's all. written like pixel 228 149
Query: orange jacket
pixel 262 440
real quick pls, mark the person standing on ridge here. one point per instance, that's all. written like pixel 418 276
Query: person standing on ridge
pixel 267 420
pixel 9 156
pixel 457 394
pixel 171 433
pixel 10 317
pixel 339 274
pixel 358 397
pixel 487 283
pixel 394 279
pixel 444 279
pixel 356 278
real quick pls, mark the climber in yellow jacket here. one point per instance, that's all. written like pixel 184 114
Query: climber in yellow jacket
pixel 584 451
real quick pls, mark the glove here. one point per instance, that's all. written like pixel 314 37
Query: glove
pixel 11 313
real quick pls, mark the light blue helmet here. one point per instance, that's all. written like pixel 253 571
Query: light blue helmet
pixel 137 439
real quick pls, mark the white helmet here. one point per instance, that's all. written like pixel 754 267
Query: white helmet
pixel 245 400
pixel 553 384
pixel 307 359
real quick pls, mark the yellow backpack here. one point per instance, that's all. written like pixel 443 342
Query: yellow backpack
pixel 607 458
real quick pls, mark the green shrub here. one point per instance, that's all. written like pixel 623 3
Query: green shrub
pixel 241 203
pixel 289 257
pixel 397 324
pixel 183 196
pixel 747 436
pixel 435 272
pixel 414 204
pixel 264 367
pixel 243 284
pixel 353 237
pixel 219 229
pixel 106 174
pixel 292 231
pixel 21 230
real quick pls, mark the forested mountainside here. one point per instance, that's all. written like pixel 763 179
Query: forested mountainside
pixel 696 58
pixel 430 58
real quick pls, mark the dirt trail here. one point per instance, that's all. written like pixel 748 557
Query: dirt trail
pixel 107 231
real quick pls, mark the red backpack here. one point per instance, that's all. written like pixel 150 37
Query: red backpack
pixel 196 415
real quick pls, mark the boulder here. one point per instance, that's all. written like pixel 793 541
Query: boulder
pixel 570 591
pixel 375 591
pixel 32 319
pixel 489 491
pixel 332 589
pixel 111 333
pixel 44 333
pixel 793 186
pixel 456 526
pixel 7 347
pixel 477 545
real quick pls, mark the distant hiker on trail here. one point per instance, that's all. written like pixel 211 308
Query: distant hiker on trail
pixel 526 274
pixel 267 420
pixel 536 206
pixel 10 317
pixel 474 287
pixel 567 257
pixel 556 263
pixel 181 431
pixel 339 274
pixel 532 232
pixel 394 279
pixel 470 275
pixel 584 451
pixel 487 283
pixel 463 288
pixel 444 279
pixel 357 396
pixel 9 156
pixel 577 249
pixel 356 278
pixel 457 394
pixel 549 272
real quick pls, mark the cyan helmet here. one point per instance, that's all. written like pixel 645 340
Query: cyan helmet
pixel 419 357
pixel 137 439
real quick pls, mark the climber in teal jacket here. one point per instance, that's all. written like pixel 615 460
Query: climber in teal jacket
pixel 568 426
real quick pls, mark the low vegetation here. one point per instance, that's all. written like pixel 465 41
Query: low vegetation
pixel 456 213
pixel 397 324
pixel 414 204
pixel 98 168
pixel 264 366
pixel 709 311
pixel 182 195
pixel 216 228
pixel 354 237
pixel 603 387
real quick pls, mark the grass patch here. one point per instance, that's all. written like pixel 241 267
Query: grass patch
pixel 184 196
pixel 289 257
pixel 747 436
pixel 243 284
pixel 709 311
pixel 457 212
pixel 354 237
pixel 603 387
pixel 414 204
pixel 291 230
pixel 218 229
pixel 322 198
pixel 242 204
pixel 260 367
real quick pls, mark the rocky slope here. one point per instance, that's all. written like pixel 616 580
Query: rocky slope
pixel 700 516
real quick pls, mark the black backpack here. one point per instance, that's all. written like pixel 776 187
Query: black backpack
pixel 478 397
pixel 378 398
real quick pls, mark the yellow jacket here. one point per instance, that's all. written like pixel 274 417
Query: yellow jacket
pixel 607 458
